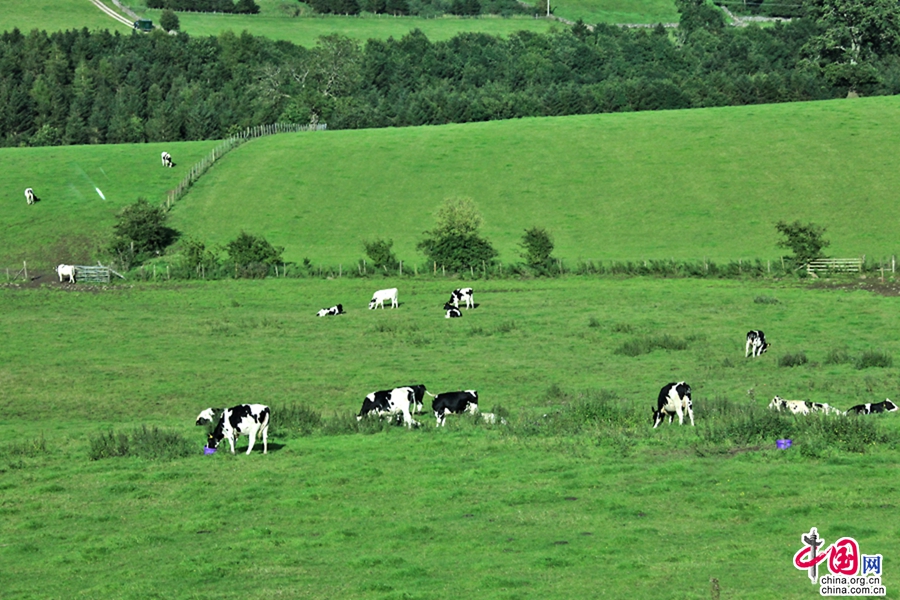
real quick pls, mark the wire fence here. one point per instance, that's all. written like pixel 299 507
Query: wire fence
pixel 227 146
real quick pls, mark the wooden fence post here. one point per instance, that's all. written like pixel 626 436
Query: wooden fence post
pixel 25 269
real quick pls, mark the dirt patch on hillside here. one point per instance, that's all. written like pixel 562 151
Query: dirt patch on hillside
pixel 876 286
pixel 51 280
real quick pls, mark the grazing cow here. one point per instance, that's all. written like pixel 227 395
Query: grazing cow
pixel 208 415
pixel 454 403
pixel 674 399
pixel 756 343
pixel 381 295
pixel 243 419
pixel 66 271
pixel 334 310
pixel 392 403
pixel 869 408
pixel 29 196
pixel 464 294
pixel 802 407
pixel 452 311
pixel 167 159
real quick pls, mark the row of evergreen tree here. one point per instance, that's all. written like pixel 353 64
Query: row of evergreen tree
pixel 81 87
pixel 248 7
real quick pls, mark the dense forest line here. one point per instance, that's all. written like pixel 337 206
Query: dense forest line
pixel 81 87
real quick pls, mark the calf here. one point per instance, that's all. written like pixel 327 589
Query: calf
pixel 802 407
pixel 464 294
pixel 66 271
pixel 334 310
pixel 869 408
pixel 167 159
pixel 454 403
pixel 380 296
pixel 29 196
pixel 243 419
pixel 392 403
pixel 452 311
pixel 756 343
pixel 674 399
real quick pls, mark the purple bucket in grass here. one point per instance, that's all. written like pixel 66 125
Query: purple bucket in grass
pixel 208 450
pixel 783 444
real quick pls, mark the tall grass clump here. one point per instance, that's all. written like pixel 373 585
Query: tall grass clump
pixel 874 358
pixel 294 420
pixel 25 448
pixel 765 300
pixel 586 411
pixel 793 360
pixel 646 345
pixel 838 356
pixel 346 423
pixel 151 443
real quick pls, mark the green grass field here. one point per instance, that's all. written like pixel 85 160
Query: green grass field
pixel 685 185
pixel 688 185
pixel 462 512
pixel 55 15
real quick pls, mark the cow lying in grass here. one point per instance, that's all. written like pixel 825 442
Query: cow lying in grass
pixel 802 407
pixel 870 408
pixel 330 312
pixel 231 423
pixel 452 311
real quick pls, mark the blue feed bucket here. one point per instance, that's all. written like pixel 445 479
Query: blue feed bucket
pixel 783 444
pixel 208 450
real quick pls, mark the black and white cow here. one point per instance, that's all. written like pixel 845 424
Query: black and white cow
pixel 243 419
pixel 467 295
pixel 380 296
pixel 29 196
pixel 802 407
pixel 419 392
pixel 674 399
pixel 454 403
pixel 870 408
pixel 756 343
pixel 452 311
pixel 66 272
pixel 390 403
pixel 328 312
pixel 166 159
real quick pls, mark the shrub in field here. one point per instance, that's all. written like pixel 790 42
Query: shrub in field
pixel 765 300
pixel 874 358
pixel 379 252
pixel 838 356
pixel 150 443
pixel 537 247
pixel 454 243
pixel 805 241
pixel 27 448
pixel 793 360
pixel 294 419
pixel 140 233
pixel 253 255
pixel 197 259
pixel 646 345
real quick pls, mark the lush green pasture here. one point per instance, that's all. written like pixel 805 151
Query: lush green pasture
pixel 617 11
pixel 462 512
pixel 55 15
pixel 685 185
pixel 72 219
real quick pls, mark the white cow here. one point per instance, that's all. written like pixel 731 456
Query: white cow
pixel 29 195
pixel 67 272
pixel 243 419
pixel 391 403
pixel 167 159
pixel 381 295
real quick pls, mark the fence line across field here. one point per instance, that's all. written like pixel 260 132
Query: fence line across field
pixel 228 145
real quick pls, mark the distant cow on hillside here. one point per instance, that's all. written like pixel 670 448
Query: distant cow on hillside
pixel 380 296
pixel 674 399
pixel 29 196
pixel 756 343
pixel 167 159
pixel 870 408
pixel 467 295
pixel 66 272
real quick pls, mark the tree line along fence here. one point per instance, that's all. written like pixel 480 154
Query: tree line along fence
pixel 227 146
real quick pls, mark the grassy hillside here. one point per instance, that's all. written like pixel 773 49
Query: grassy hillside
pixel 689 184
pixel 54 15
pixel 459 512
pixel 686 185
pixel 72 219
